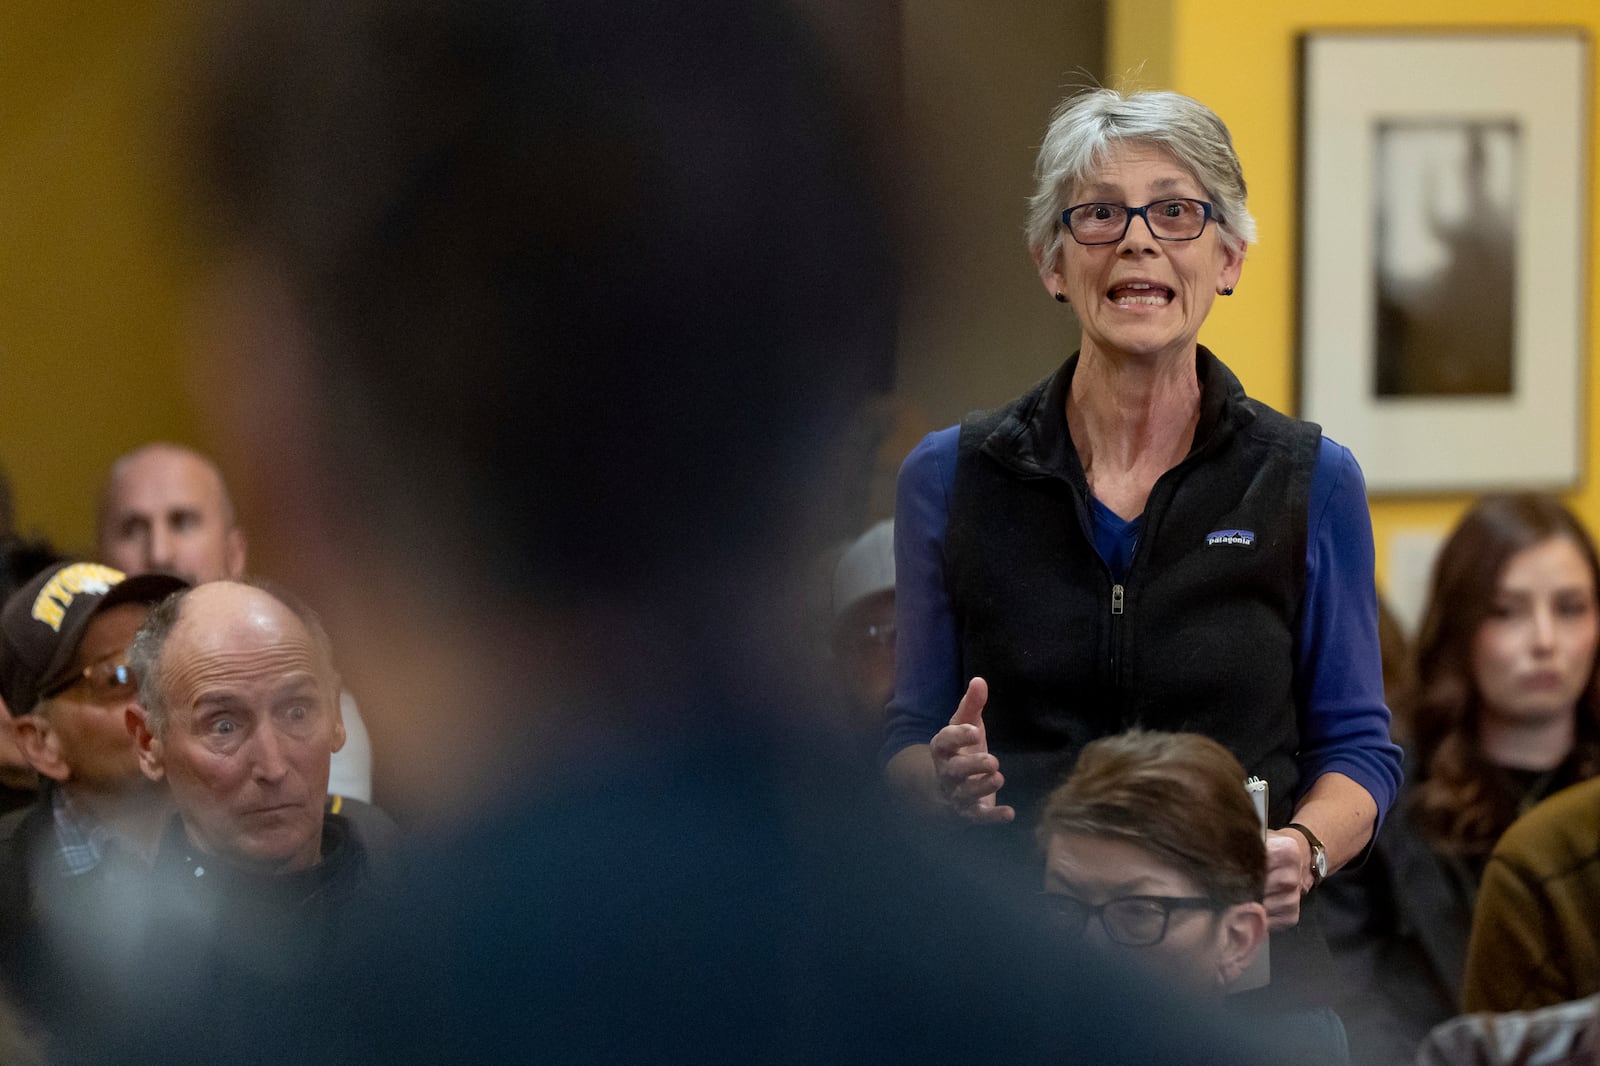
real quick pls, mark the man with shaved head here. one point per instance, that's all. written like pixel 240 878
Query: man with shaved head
pixel 165 508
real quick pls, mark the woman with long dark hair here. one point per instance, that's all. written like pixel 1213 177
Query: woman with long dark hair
pixel 1494 735
pixel 1504 711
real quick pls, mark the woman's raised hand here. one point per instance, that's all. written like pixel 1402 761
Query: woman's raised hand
pixel 968 775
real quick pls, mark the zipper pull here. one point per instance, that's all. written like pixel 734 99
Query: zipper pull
pixel 1116 599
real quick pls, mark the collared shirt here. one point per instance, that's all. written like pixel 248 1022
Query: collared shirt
pixel 82 841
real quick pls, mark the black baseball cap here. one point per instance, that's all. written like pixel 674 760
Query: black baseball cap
pixel 42 622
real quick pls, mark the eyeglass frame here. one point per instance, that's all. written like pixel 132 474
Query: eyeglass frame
pixel 1207 209
pixel 861 640
pixel 1168 904
pixel 120 670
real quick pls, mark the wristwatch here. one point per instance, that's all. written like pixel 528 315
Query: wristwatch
pixel 1319 854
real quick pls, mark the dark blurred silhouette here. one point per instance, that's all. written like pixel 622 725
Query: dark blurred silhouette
pixel 545 314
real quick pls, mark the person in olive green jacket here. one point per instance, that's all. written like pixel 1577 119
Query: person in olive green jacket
pixel 1536 927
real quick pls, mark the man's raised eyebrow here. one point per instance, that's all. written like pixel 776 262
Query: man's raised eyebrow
pixel 212 701
pixel 297 681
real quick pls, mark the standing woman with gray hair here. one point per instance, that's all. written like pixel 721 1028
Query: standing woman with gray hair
pixel 1135 541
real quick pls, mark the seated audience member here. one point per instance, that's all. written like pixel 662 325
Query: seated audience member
pixel 1536 928
pixel 19 782
pixel 166 509
pixel 69 863
pixel 1504 710
pixel 1399 660
pixel 20 559
pixel 1155 852
pixel 1567 1034
pixel 863 630
pixel 240 717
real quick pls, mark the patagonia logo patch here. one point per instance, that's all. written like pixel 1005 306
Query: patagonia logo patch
pixel 1245 538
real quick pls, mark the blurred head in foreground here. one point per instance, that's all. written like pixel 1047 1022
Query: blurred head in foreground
pixel 546 312
pixel 534 295
pixel 1154 851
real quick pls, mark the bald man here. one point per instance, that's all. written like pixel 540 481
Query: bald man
pixel 256 877
pixel 166 509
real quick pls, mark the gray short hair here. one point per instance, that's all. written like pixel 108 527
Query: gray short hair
pixel 144 658
pixel 1087 125
pixel 145 654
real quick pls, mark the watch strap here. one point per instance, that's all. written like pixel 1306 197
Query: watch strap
pixel 1317 852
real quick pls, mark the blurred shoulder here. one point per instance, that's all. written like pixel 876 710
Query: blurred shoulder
pixel 373 831
pixel 1562 831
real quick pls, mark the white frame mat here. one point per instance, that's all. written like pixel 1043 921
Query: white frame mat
pixel 1352 82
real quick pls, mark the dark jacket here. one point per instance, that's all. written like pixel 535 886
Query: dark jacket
pixel 1397 928
pixel 64 939
pixel 1536 929
pixel 212 920
pixel 1201 635
pixel 230 948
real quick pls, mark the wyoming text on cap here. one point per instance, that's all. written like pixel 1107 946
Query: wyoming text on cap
pixel 42 622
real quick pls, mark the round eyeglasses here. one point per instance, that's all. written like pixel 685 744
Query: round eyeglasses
pixel 1179 219
pixel 1132 921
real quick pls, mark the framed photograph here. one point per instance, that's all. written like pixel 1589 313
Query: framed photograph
pixel 1444 220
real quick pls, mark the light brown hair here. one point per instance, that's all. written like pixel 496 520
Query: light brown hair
pixel 1179 796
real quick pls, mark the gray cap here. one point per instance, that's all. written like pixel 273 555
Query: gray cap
pixel 866 568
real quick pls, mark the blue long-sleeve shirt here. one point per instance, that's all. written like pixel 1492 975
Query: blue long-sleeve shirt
pixel 1339 679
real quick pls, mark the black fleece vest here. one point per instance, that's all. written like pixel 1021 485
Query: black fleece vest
pixel 1201 635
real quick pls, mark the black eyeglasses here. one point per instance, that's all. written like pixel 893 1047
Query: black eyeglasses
pixel 1132 921
pixel 107 679
pixel 1180 219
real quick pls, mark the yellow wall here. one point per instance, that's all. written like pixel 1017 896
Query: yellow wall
pixel 1241 58
pixel 91 273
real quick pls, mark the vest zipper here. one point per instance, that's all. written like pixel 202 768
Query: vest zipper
pixel 1116 644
